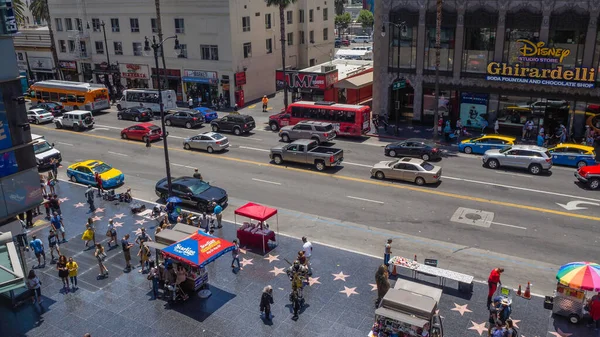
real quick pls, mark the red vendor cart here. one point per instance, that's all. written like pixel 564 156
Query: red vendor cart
pixel 257 235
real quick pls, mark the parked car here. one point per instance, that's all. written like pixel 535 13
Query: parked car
pixel 590 176
pixel 414 170
pixel 237 124
pixel 75 119
pixel 84 173
pixel 193 192
pixel 137 114
pixel 44 151
pixel 486 142
pixel 39 116
pixel 208 114
pixel 535 159
pixel 573 155
pixel 143 132
pixel 307 152
pixel 184 117
pixel 414 147
pixel 208 141
pixel 56 109
pixel 361 39
pixel 320 132
pixel 341 42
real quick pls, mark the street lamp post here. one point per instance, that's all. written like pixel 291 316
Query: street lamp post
pixel 156 46
pixel 107 83
pixel 403 31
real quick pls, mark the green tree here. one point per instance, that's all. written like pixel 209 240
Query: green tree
pixel 39 10
pixel 19 8
pixel 339 6
pixel 342 22
pixel 282 5
pixel 366 19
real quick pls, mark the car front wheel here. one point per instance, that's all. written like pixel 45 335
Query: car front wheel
pixel 285 138
pixel 188 125
pixel 379 175
pixel 468 150
pixel 215 128
pixel 594 184
pixel 420 181
pixel 392 153
pixel 168 122
pixel 237 131
pixel 277 160
pixel 124 135
pixel 425 157
pixel 73 179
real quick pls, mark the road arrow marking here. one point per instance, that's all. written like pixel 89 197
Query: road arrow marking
pixel 574 205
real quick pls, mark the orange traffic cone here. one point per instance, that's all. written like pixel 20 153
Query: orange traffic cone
pixel 527 293
pixel 394 272
pixel 519 293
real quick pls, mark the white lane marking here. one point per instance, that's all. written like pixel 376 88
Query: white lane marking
pixel 266 181
pixel 67 144
pixel 507 225
pixel 118 154
pixel 98 129
pixel 356 164
pixel 254 149
pixel 109 127
pixel 186 166
pixel 514 174
pixel 363 199
pixel 519 188
pixel 176 137
pixel 252 138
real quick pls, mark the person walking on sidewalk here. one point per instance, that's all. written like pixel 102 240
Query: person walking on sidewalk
pixel 55 204
pixel 63 271
pixel 191 103
pixel 387 252
pixel 53 244
pixel 496 126
pixel 58 226
pixel 90 233
pixel 218 212
pixel 126 245
pixel 308 250
pixel 73 269
pixel 89 194
pixel 235 253
pixel 511 331
pixel 154 278
pixel 51 182
pixel 35 285
pixel 100 255
pixel 99 186
pixel 265 102
pixel 54 168
pixel 594 306
pixel 38 249
pixel 493 281
pixel 383 283
pixel 111 233
pixel 266 299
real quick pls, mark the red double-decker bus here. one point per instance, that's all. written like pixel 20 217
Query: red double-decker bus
pixel 348 120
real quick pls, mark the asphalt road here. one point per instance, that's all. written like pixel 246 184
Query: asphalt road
pixel 524 220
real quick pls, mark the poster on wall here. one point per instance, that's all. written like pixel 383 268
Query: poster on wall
pixel 473 109
pixel 8 162
pixel 21 192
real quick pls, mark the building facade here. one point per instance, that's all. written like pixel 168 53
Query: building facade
pixel 34 55
pixel 499 59
pixel 230 48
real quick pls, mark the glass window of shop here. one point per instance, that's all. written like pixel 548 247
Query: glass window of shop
pixel 480 41
pixel 522 24
pixel 515 111
pixel 568 31
pixel 596 61
pixel 403 40
pixel 446 41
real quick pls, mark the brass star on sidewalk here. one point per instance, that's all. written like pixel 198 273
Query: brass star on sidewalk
pixel 340 276
pixel 373 286
pixel 63 199
pixel 79 204
pixel 119 216
pixel 461 309
pixel 246 261
pixel 480 328
pixel 140 222
pixel 97 218
pixel 118 224
pixel 99 210
pixel 560 333
pixel 244 250
pixel 516 322
pixel 277 271
pixel 272 258
pixel 313 280
pixel 137 231
pixel 349 291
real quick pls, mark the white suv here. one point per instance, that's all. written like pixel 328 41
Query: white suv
pixel 76 119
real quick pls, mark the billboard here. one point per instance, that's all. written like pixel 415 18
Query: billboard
pixel 300 80
pixel 473 109
pixel 8 161
pixel 20 192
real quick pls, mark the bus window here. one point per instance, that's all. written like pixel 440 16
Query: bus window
pixel 45 95
pixel 54 96
pixel 38 95
pixel 80 99
pixel 297 112
pixel 71 98
pixel 350 116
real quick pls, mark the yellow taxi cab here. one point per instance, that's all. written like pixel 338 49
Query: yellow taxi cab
pixel 481 144
pixel 84 172
pixel 573 155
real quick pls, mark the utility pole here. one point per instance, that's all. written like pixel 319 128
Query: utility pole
pixel 162 50
pixel 438 29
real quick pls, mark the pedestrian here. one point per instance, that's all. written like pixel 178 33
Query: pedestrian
pixel 235 253
pixel 99 185
pixel 504 311
pixel 265 103
pixel 111 233
pixel 493 281
pixel 90 232
pixel 50 182
pixel 54 168
pixel 57 225
pixel 190 103
pixel 89 194
pixel 153 276
pixel 35 285
pixel 126 245
pixel 99 254
pixel 72 267
pixel 43 185
pixel 383 283
pixel 53 244
pixel 46 203
pixel 197 174
pixel 511 330
pixel 199 100
pixel 563 133
pixel 55 204
pixel 204 221
pixel 493 310
pixel 142 237
pixel 144 254
pixel 387 252
pixel 594 309
pixel 499 330
pixel 496 126
pixel 38 249
pixel 308 250
pixel 266 299
pixel 439 126
pixel 63 271
pixel 484 125
pixel 218 212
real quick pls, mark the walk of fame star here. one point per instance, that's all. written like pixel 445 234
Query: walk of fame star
pixel 63 199
pixel 313 280
pixel 137 231
pixel 340 276
pixel 373 286
pixel 277 271
pixel 480 328
pixel 140 222
pixel 244 250
pixel 246 261
pixel 79 204
pixel 461 309
pixel 119 216
pixel 272 258
pixel 118 224
pixel 560 333
pixel 97 218
pixel 516 322
pixel 349 291
pixel 99 210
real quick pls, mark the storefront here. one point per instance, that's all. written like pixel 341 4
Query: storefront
pixel 135 75
pixel 108 75
pixel 69 70
pixel 240 82
pixel 171 79
pixel 201 83
pixel 309 86
pixel 42 68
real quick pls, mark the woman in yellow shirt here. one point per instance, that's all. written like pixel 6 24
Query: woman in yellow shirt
pixel 73 267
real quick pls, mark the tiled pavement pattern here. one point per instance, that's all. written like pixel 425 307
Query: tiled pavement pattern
pixel 339 299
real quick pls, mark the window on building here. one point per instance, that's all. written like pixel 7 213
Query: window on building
pixel 568 31
pixel 58 24
pixel 290 17
pixel 312 62
pixel 290 39
pixel 99 47
pixel 446 41
pixel 403 40
pixel 522 25
pixel 71 46
pixel 137 48
pixel 179 26
pixel 69 23
pixel 154 25
pixel 183 51
pixel 114 23
pixel 135 25
pixel 325 34
pixel 480 41
pixel 311 36
pixel 246 23
pixel 79 25
pixel 269 46
pixel 62 45
pixel 325 14
pixel 301 16
pixel 118 46
pixel 96 25
pixel 301 38
pixel 209 52
pixel 268 23
pixel 247 50
pixel 311 15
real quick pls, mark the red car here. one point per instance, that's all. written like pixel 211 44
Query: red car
pixel 142 131
pixel 589 175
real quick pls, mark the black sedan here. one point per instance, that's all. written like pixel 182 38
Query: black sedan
pixel 136 114
pixel 192 192
pixel 184 117
pixel 414 147
pixel 55 108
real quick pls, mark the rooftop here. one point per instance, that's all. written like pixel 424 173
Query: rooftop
pixel 345 68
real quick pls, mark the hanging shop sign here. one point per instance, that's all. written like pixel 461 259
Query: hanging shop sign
pixel 240 78
pixel 300 80
pixel 134 71
pixel 40 63
pixel 537 52
pixel 69 65
pixel 200 76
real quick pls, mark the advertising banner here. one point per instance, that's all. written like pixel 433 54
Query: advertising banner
pixel 473 109
pixel 305 80
pixel 199 249
pixel 8 161
pixel 21 191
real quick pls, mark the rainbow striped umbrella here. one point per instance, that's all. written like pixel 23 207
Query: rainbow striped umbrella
pixel 580 275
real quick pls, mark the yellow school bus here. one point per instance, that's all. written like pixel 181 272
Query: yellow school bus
pixel 72 95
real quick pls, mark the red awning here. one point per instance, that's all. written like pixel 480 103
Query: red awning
pixel 256 211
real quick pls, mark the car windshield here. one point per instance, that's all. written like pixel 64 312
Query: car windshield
pixel 41 147
pixel 101 168
pixel 507 149
pixel 198 186
pixel 427 166
pixel 217 136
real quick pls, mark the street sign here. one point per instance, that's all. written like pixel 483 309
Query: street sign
pixel 399 84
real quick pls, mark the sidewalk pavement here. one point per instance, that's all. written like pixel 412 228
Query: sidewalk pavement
pixel 339 298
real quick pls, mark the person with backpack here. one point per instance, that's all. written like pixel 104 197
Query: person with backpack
pixel 511 331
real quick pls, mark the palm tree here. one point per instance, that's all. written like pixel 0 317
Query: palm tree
pixel 39 10
pixel 18 8
pixel 282 4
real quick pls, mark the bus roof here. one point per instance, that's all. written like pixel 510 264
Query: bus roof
pixel 335 105
pixel 146 90
pixel 68 85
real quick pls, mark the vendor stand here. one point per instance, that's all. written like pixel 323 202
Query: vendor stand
pixel 577 283
pixel 256 235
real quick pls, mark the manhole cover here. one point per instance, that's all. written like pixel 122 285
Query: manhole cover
pixel 473 217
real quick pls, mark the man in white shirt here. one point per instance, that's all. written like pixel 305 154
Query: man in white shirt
pixel 307 248
pixel 190 103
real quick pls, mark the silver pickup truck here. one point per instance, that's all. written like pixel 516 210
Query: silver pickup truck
pixel 306 151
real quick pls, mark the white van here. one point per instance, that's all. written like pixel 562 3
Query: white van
pixel 361 39
pixel 44 151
